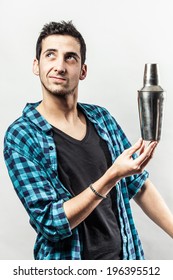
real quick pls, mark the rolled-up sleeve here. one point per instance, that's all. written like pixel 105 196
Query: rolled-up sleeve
pixel 135 183
pixel 39 197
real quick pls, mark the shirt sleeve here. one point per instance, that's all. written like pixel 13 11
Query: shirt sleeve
pixel 36 192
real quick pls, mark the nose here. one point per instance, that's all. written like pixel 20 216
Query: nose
pixel 59 66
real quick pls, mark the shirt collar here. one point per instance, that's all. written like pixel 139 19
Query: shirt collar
pixel 34 116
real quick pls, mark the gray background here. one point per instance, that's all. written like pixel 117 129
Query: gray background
pixel 121 37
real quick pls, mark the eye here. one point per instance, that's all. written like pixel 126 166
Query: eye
pixel 50 54
pixel 71 57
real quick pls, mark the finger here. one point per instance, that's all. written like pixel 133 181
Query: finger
pixel 152 152
pixel 142 148
pixel 153 142
pixel 147 160
pixel 135 147
pixel 146 154
pixel 144 144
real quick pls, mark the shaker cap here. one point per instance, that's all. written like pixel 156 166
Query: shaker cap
pixel 151 74
pixel 151 78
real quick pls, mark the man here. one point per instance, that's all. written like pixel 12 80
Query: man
pixel 73 167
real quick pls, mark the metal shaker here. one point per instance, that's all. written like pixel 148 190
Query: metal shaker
pixel 150 104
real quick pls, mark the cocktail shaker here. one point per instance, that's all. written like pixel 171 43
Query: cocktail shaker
pixel 150 104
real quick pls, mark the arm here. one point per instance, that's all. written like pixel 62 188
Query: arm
pixel 36 192
pixel 151 202
pixel 53 217
pixel 79 207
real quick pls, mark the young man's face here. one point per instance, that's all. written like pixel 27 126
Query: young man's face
pixel 59 67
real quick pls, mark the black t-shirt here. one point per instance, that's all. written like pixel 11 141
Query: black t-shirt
pixel 81 163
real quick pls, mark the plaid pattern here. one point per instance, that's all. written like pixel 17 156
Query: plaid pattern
pixel 30 156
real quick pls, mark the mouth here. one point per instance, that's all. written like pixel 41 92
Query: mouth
pixel 57 78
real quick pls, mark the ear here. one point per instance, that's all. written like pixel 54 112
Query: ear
pixel 83 72
pixel 35 67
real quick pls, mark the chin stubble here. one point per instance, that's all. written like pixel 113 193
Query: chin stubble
pixel 60 93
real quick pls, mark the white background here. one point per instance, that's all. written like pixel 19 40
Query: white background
pixel 121 36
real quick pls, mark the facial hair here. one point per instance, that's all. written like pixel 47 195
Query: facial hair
pixel 59 93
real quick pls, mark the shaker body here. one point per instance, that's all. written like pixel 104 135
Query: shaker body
pixel 150 105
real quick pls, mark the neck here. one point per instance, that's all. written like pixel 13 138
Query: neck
pixel 61 109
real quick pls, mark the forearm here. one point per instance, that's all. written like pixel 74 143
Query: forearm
pixel 155 207
pixel 79 207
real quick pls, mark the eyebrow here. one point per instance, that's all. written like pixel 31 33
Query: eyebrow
pixel 50 50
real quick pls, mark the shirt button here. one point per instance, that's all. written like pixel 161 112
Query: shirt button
pixel 125 239
pixel 50 133
pixel 51 148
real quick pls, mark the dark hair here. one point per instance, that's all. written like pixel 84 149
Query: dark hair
pixel 61 28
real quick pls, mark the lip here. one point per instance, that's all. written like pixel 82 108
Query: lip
pixel 57 78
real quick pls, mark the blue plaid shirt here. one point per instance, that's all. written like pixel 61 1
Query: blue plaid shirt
pixel 30 156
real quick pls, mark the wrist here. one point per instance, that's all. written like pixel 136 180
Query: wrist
pixel 105 183
pixel 112 177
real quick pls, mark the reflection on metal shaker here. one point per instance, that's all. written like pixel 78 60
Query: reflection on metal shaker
pixel 150 104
